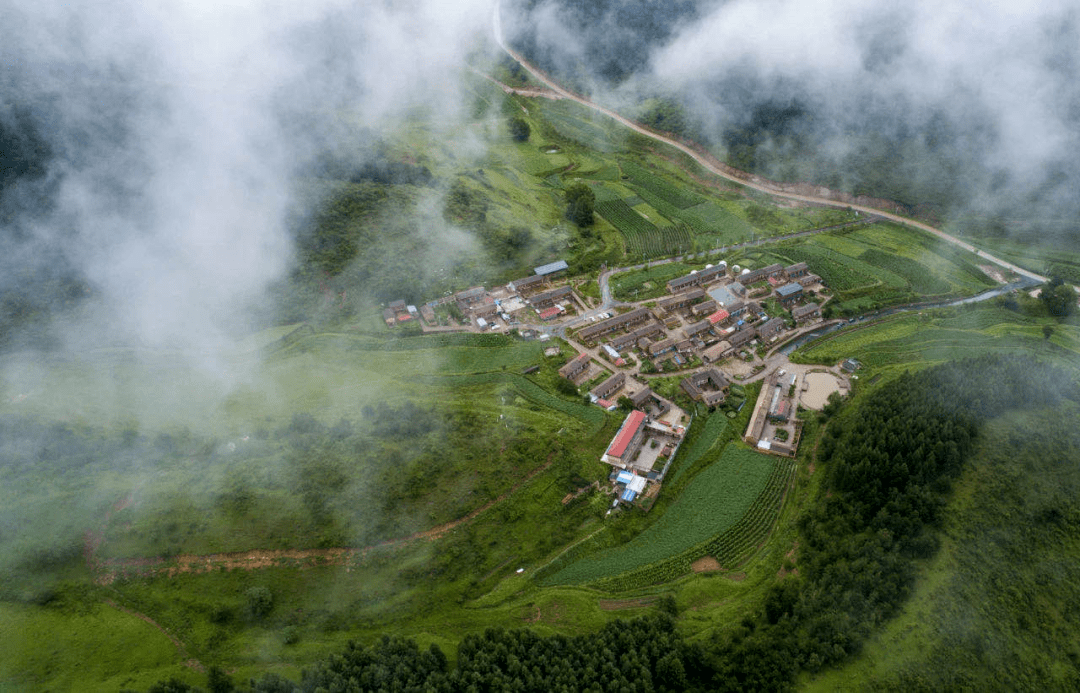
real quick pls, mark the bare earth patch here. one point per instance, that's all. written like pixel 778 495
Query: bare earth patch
pixel 736 577
pixel 994 273
pixel 708 564
pixel 819 387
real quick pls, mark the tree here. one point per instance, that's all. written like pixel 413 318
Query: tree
pixel 1059 298
pixel 519 129
pixel 580 201
pixel 1048 331
pixel 259 601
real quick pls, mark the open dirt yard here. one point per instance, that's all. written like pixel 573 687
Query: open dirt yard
pixel 819 387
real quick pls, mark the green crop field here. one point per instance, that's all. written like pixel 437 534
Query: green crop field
pixel 718 498
pixel 663 188
pixel 631 286
pixel 945 334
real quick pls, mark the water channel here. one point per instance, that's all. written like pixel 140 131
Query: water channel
pixel 802 340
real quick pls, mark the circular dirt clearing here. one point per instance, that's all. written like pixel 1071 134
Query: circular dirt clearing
pixel 819 387
pixel 707 564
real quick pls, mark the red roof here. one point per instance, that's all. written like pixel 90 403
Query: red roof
pixel 626 433
pixel 550 313
pixel 403 318
pixel 718 316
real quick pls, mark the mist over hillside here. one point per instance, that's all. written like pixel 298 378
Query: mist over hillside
pixel 151 154
pixel 961 113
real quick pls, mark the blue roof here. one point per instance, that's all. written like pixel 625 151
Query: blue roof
pixel 789 289
pixel 550 267
pixel 628 496
pixel 624 477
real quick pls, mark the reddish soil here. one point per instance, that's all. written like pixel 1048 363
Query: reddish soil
pixel 109 570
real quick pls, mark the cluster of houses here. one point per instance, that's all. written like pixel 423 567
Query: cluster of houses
pixel 710 314
pixel 639 444
pixel 486 309
pixel 775 411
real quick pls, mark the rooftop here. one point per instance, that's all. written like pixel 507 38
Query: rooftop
pixel 626 433
pixel 551 267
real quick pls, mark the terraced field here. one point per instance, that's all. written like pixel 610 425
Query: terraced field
pixel 724 511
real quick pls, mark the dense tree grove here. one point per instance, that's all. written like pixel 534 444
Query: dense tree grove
pixel 519 129
pixel 580 202
pixel 640 655
pixel 890 461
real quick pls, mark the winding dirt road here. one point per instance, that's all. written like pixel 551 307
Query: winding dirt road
pixel 825 197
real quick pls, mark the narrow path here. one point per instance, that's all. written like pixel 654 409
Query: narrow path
pixel 189 661
pixel 109 570
pixel 714 165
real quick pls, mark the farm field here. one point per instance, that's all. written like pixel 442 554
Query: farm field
pixel 878 265
pixel 717 499
pixel 631 286
pixel 945 334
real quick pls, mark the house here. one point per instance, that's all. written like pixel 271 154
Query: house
pixel 641 397
pixel 718 317
pixel 660 348
pixel 627 440
pixel 695 329
pixel 806 313
pixel 638 315
pixel 710 274
pixel 716 352
pixel 741 336
pixel 575 368
pixel 551 268
pixel 704 308
pixel 737 308
pixel 680 301
pixel 528 284
pixel 771 328
pixel 610 386
pixel 751 276
pixel 552 312
pixel 709 387
pixel 625 341
pixel 484 309
pixel 808 280
pixel 550 298
pixel 469 296
pixel 428 313
pixel 799 269
pixel 389 317
pixel 789 293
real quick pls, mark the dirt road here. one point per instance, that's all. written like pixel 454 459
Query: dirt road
pixel 712 164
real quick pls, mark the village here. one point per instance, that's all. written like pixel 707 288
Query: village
pixel 719 327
